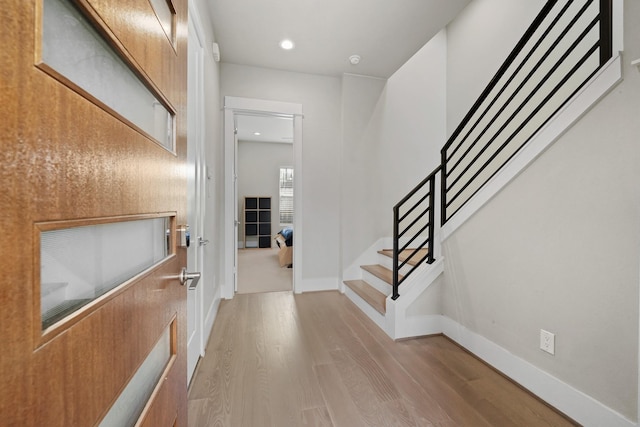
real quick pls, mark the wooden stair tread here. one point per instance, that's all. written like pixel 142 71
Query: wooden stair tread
pixel 371 295
pixel 381 272
pixel 405 254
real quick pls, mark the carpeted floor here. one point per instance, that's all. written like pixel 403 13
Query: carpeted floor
pixel 260 271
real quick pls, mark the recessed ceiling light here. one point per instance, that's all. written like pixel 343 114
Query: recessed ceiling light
pixel 256 133
pixel 354 59
pixel 286 44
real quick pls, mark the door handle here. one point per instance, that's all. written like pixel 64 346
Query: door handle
pixel 185 277
pixel 202 241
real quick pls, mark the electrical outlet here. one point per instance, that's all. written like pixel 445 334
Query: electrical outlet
pixel 547 341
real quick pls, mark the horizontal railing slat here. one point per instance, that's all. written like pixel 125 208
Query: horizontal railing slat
pixel 522 84
pixel 542 38
pixel 476 151
pixel 414 207
pixel 519 108
pixel 494 81
pixel 469 156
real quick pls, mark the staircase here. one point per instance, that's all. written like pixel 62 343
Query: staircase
pixel 379 277
pixel 380 281
pixel 371 289
pixel 566 49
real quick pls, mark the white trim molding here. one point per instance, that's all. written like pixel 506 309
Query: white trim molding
pixel 399 323
pixel 237 105
pixel 317 284
pixel 369 256
pixel 212 313
pixel 252 105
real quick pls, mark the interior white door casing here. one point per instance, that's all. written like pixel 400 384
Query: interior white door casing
pixel 236 222
pixel 238 105
pixel 196 193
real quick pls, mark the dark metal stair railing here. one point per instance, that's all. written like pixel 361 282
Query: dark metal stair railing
pixel 421 215
pixel 472 171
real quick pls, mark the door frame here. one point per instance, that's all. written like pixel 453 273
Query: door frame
pixel 237 105
pixel 195 126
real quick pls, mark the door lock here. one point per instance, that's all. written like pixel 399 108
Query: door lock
pixel 184 236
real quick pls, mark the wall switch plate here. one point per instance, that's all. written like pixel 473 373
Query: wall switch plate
pixel 547 341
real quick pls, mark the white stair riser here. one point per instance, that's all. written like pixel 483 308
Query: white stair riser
pixel 388 263
pixel 377 283
pixel 371 312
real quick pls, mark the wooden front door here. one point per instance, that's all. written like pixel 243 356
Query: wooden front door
pixel 70 160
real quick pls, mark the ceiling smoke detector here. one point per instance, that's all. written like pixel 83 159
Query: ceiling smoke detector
pixel 354 59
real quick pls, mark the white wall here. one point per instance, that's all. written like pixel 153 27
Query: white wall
pixel 393 147
pixel 558 248
pixel 259 166
pixel 478 41
pixel 360 97
pixel 412 128
pixel 320 99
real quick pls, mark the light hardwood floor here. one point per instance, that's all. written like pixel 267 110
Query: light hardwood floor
pixel 259 271
pixel 285 360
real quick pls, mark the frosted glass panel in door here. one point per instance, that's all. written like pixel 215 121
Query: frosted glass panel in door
pixel 74 49
pixel 78 265
pixel 130 404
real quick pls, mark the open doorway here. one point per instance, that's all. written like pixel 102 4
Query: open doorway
pixel 265 202
pixel 235 108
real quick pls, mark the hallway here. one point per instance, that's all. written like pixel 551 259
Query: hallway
pixel 285 360
pixel 260 271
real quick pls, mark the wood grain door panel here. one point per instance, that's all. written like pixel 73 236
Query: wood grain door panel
pixel 64 158
pixel 123 21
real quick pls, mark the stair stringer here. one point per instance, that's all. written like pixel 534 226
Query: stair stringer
pixel 369 256
pixel 401 325
pixel 396 322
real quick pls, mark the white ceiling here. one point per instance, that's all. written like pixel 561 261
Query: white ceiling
pixel 385 33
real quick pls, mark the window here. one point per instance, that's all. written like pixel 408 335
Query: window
pixel 286 196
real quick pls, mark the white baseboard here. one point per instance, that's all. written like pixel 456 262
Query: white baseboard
pixel 562 396
pixel 210 318
pixel 420 326
pixel 317 284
